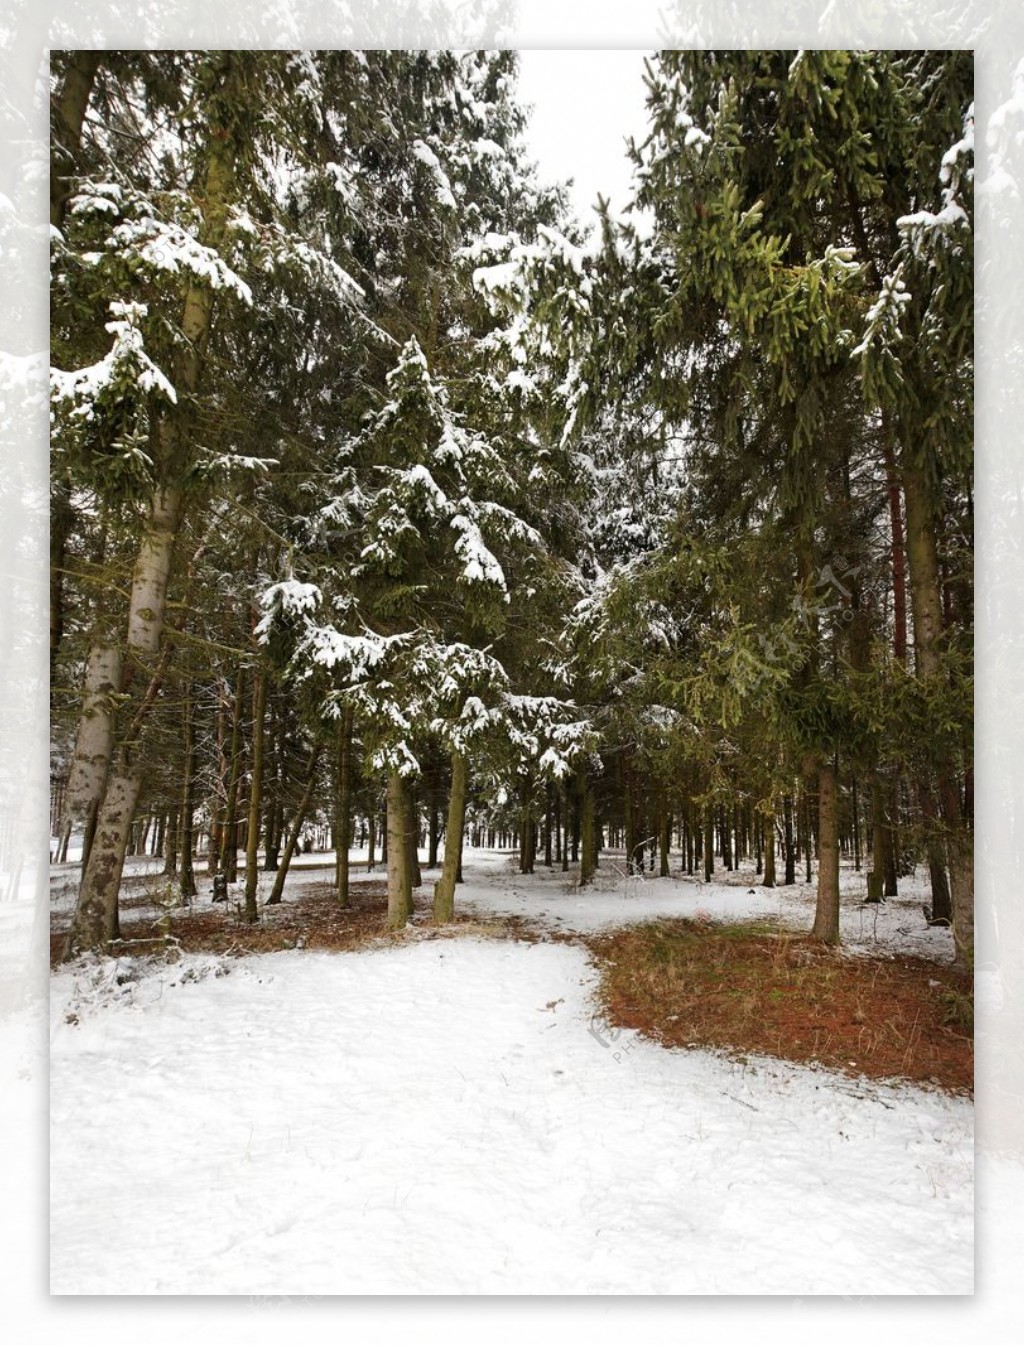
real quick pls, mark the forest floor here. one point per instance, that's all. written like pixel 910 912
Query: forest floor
pixel 316 1106
pixel 725 965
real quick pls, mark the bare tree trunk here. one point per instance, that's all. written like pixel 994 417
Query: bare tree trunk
pixel 95 924
pixel 187 880
pixel 588 831
pixel 229 837
pixel 252 838
pixel 343 807
pixel 787 816
pixel 444 888
pixel 926 603
pixel 826 915
pixel 768 829
pixel 277 891
pixel 171 448
pixel 399 879
pixel 94 743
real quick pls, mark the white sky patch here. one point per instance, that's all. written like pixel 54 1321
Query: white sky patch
pixel 585 106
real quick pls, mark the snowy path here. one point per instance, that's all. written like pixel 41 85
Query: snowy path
pixel 440 1117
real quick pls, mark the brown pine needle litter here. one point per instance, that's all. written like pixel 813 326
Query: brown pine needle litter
pixel 747 989
pixel 752 989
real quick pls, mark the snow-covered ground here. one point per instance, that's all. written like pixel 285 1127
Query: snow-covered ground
pixel 552 899
pixel 446 1115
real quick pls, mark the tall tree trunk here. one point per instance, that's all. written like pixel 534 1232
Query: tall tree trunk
pixel 343 807
pixel 171 845
pixel 768 831
pixel 926 605
pixel 588 830
pixel 95 923
pixel 412 843
pixel 70 107
pixel 790 856
pixel 172 449
pixel 277 891
pixel 941 905
pixel 252 837
pixel 187 879
pixel 229 838
pixel 709 841
pixel 444 888
pixel 94 742
pixel 399 880
pixel 883 866
pixel 826 915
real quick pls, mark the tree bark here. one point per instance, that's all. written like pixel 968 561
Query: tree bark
pixel 187 878
pixel 399 879
pixel 343 808
pixel 277 891
pixel 172 449
pixel 588 831
pixel 790 848
pixel 826 915
pixel 94 742
pixel 252 839
pixel 95 924
pixel 444 888
pixel 768 832
pixel 229 837
pixel 70 107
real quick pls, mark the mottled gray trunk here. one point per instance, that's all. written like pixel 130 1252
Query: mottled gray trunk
pixel 94 742
pixel 95 922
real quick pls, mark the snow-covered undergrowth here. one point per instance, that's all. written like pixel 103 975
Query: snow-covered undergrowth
pixel 447 1116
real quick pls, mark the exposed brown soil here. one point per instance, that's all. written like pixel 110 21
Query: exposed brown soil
pixel 752 990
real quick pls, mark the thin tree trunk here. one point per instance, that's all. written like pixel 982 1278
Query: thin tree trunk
pixel 187 880
pixel 588 830
pixel 277 891
pixel 252 838
pixel 826 915
pixel 399 883
pixel 768 832
pixel 171 845
pixel 787 817
pixel 343 810
pixel 229 838
pixel 926 603
pixel 444 888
